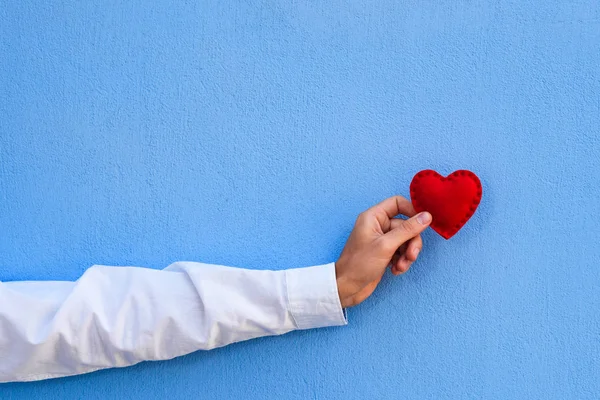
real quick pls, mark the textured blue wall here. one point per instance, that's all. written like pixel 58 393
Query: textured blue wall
pixel 253 134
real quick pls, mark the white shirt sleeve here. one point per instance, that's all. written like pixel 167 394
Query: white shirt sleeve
pixel 119 316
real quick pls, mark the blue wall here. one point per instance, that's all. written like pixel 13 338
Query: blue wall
pixel 253 134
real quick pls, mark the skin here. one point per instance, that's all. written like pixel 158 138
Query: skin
pixel 378 241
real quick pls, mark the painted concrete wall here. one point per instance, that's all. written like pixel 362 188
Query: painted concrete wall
pixel 252 133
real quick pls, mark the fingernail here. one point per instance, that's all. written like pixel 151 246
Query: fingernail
pixel 424 218
pixel 417 250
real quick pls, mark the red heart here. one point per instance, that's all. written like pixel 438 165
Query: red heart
pixel 451 200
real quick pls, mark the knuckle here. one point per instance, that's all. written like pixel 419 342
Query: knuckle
pixel 385 246
pixel 409 225
pixel 400 200
pixel 362 217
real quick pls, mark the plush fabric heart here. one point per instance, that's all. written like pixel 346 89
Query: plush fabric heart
pixel 451 200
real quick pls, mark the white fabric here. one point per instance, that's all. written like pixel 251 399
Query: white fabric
pixel 119 316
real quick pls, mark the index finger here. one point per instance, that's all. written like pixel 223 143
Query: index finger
pixel 393 206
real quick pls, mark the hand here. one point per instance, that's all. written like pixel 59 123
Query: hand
pixel 377 241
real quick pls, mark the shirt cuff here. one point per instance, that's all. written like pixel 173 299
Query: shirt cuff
pixel 313 298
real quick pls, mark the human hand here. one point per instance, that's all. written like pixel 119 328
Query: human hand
pixel 377 241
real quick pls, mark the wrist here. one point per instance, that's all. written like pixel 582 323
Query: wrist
pixel 343 287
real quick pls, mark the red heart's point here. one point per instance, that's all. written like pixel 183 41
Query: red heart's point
pixel 452 200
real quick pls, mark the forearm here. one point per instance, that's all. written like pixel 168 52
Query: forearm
pixel 119 316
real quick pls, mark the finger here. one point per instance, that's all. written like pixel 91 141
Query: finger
pixel 401 250
pixel 405 231
pixel 402 265
pixel 395 223
pixel 395 259
pixel 413 248
pixel 393 206
pixel 416 241
pixel 389 208
pixel 403 259
pixel 398 254
pixel 406 254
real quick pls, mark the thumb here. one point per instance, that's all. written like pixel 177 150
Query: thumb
pixel 406 230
